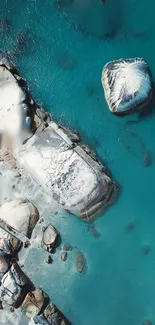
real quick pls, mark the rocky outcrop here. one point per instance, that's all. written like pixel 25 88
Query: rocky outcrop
pixel 57 160
pixel 16 289
pixel 127 85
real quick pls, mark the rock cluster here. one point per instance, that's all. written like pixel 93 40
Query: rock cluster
pixel 16 289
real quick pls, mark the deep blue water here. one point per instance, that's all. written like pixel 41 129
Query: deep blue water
pixel 63 68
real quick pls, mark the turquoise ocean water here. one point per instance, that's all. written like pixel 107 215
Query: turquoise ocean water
pixel 63 64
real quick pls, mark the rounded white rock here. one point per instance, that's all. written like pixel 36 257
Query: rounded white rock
pixel 20 214
pixel 127 85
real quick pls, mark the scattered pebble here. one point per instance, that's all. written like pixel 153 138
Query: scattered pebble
pixel 64 256
pixel 81 263
pixel 49 259
pixel 67 247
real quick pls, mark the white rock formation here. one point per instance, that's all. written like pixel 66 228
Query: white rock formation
pixel 20 214
pixel 13 110
pixel 127 85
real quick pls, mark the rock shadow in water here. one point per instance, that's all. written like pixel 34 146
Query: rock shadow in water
pixel 114 17
pixel 5 26
pixel 65 60
pixel 25 43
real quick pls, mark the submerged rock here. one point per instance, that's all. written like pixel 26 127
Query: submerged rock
pixel 20 214
pixel 81 263
pixel 67 247
pixel 93 231
pixel 5 25
pixel 64 256
pixel 146 249
pixel 50 235
pixel 127 85
pixel 65 61
pixel 148 159
pixel 147 322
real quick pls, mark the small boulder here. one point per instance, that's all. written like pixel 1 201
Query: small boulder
pixel 20 214
pixel 81 263
pixel 34 302
pixel 64 256
pixel 67 247
pixel 49 238
pixel 49 260
pixel 127 85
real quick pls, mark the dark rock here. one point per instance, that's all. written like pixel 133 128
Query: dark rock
pixel 81 263
pixel 147 322
pixel 65 61
pixel 148 159
pixel 146 249
pixel 12 309
pixel 27 244
pixel 64 256
pixel 67 247
pixel 130 226
pixel 5 25
pixel 49 259
pixel 93 231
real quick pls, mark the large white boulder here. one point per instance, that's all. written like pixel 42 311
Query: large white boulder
pixel 127 85
pixel 20 214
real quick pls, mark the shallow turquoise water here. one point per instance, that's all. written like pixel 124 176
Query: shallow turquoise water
pixel 119 287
